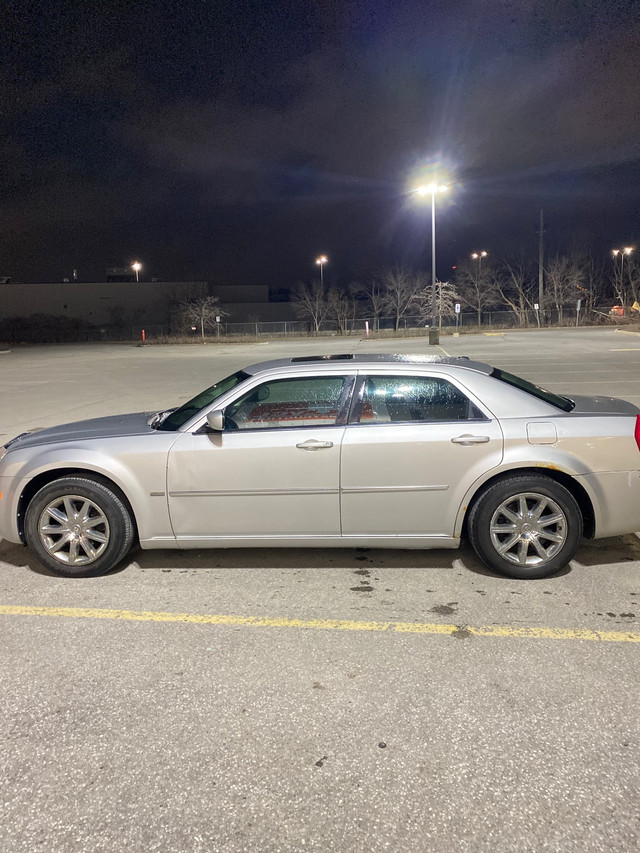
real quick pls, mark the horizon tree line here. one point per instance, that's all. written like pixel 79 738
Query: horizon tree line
pixel 507 284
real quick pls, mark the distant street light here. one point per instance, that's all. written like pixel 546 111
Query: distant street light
pixel 136 266
pixel 426 190
pixel 321 261
pixel 478 256
pixel 622 252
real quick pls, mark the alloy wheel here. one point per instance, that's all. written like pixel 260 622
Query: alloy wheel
pixel 528 529
pixel 73 530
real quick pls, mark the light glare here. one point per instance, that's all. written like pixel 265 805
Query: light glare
pixel 431 189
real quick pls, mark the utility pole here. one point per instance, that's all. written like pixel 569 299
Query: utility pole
pixel 541 260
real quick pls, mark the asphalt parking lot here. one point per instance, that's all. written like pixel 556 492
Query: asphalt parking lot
pixel 338 700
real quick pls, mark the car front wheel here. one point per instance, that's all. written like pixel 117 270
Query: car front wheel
pixel 78 527
pixel 525 526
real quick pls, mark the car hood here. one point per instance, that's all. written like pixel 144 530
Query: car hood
pixel 603 405
pixel 115 425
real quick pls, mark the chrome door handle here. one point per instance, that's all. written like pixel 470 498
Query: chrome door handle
pixel 312 444
pixel 466 440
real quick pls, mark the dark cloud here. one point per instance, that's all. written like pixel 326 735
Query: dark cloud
pixel 238 139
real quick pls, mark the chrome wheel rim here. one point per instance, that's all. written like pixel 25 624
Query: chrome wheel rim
pixel 73 530
pixel 528 529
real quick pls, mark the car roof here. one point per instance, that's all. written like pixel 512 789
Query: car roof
pixel 372 360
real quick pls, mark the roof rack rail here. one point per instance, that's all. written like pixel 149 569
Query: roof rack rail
pixel 342 357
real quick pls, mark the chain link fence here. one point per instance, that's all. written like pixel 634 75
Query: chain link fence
pixel 468 321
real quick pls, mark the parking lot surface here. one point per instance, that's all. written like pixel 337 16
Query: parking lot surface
pixel 324 700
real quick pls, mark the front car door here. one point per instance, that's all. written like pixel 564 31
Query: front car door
pixel 274 472
pixel 412 449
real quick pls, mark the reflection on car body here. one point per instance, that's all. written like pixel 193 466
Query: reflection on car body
pixel 365 450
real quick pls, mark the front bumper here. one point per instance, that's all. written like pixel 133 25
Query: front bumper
pixel 9 497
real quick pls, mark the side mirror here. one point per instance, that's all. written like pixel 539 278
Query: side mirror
pixel 215 419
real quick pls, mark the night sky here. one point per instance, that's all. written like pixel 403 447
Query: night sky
pixel 236 141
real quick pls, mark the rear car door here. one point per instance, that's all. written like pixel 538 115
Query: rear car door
pixel 414 445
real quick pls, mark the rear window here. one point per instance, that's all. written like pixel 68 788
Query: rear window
pixel 556 400
pixel 407 399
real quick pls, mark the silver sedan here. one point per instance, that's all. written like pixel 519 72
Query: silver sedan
pixel 376 451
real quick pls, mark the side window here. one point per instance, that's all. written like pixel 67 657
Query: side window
pixel 397 399
pixel 309 401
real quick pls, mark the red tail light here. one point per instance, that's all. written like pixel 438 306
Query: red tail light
pixel 637 431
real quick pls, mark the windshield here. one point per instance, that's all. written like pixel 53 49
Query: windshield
pixel 180 416
pixel 518 382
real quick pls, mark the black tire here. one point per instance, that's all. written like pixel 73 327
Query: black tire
pixel 525 526
pixel 78 527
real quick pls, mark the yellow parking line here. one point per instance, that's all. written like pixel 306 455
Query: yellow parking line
pixel 505 631
pixel 626 349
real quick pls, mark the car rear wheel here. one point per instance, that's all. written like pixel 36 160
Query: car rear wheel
pixel 525 526
pixel 78 527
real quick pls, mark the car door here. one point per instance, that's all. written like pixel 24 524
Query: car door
pixel 274 470
pixel 414 446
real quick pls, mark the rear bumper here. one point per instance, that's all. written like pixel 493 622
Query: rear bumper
pixel 616 501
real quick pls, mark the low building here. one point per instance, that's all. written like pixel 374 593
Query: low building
pixel 131 303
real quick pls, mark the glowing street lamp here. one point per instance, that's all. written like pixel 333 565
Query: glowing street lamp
pixel 432 190
pixel 136 266
pixel 478 256
pixel 321 261
pixel 622 252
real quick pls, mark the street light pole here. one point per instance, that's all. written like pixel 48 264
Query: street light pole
pixel 434 316
pixel 432 189
pixel 622 252
pixel 321 261
pixel 136 266
pixel 626 251
pixel 540 266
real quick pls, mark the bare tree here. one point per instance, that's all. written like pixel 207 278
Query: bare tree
pixel 563 279
pixel 594 288
pixel 476 286
pixel 446 298
pixel 310 303
pixel 401 289
pixel 516 286
pixel 373 291
pixel 626 279
pixel 202 312
pixel 634 283
pixel 342 308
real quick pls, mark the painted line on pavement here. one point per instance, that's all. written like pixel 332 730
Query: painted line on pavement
pixel 503 631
